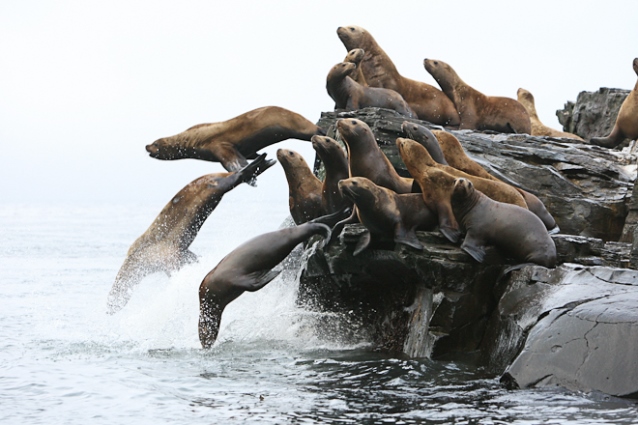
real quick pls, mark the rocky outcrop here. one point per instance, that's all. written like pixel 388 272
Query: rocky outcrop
pixel 594 113
pixel 573 326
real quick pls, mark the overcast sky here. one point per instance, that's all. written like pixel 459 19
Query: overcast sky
pixel 85 85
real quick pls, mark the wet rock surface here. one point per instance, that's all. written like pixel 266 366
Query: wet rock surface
pixel 574 326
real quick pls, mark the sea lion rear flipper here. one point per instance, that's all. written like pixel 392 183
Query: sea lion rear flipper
pixel 257 280
pixel 187 257
pixel 364 242
pixel 407 237
pixel 336 230
pixel 250 171
pixel 474 247
pixel 332 219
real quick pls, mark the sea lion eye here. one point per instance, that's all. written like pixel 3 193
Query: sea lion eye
pixel 351 28
pixel 436 62
pixel 354 122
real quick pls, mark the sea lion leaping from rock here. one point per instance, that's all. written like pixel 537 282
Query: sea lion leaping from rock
pixel 164 246
pixel 387 214
pixel 626 126
pixel 234 141
pixel 350 95
pixel 427 101
pixel 304 188
pixel 248 267
pixel 515 231
pixel 476 110
pixel 538 128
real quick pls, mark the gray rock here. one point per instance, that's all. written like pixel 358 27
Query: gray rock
pixel 594 113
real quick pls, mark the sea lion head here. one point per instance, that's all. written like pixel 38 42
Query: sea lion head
pixel 413 153
pixel 525 98
pixel 341 71
pixel 163 149
pixel 418 132
pixel 636 66
pixel 355 56
pixel 439 70
pixel 351 129
pixel 358 190
pixel 463 189
pixel 352 36
pixel 290 159
pixel 325 146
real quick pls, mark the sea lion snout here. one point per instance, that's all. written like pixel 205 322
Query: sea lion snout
pixel 152 149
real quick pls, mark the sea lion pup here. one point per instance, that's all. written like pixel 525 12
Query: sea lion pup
pixel 335 164
pixel 427 101
pixel 164 246
pixel 355 56
pixel 526 99
pixel 231 142
pixel 350 95
pixel 304 188
pixel 452 149
pixel 514 231
pixel 476 110
pixel 626 126
pixel 386 214
pixel 436 187
pixel 248 267
pixel 366 158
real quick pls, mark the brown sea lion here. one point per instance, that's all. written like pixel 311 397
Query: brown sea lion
pixel 366 158
pixel 515 231
pixel 355 56
pixel 350 95
pixel 231 142
pixel 626 126
pixel 526 99
pixel 452 149
pixel 164 246
pixel 335 165
pixel 248 267
pixel 476 110
pixel 387 214
pixel 427 101
pixel 437 188
pixel 304 188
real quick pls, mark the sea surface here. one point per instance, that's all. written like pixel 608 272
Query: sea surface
pixel 63 360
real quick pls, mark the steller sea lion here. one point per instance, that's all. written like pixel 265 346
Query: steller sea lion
pixel 427 101
pixel 233 141
pixel 515 231
pixel 164 246
pixel 476 110
pixel 355 56
pixel 387 214
pixel 335 165
pixel 304 188
pixel 249 267
pixel 526 99
pixel 626 126
pixel 350 95
pixel 452 149
pixel 418 162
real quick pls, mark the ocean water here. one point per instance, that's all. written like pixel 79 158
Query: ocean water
pixel 63 360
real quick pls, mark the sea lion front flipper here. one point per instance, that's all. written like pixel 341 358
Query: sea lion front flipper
pixel 475 247
pixel 364 242
pixel 257 280
pixel 447 222
pixel 407 237
pixel 230 158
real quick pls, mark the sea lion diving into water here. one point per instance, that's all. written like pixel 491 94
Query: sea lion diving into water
pixel 248 267
pixel 164 245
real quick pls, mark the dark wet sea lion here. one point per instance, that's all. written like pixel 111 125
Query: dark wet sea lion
pixel 476 110
pixel 350 95
pixel 387 214
pixel 304 188
pixel 335 165
pixel 248 267
pixel 164 245
pixel 526 99
pixel 515 231
pixel 626 126
pixel 424 136
pixel 233 141
pixel 427 101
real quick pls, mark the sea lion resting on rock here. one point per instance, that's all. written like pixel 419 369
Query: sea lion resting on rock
pixel 164 246
pixel 419 162
pixel 248 267
pixel 350 95
pixel 514 231
pixel 476 110
pixel 387 214
pixel 304 188
pixel 526 99
pixel 335 165
pixel 626 126
pixel 427 101
pixel 234 141
pixel 450 147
